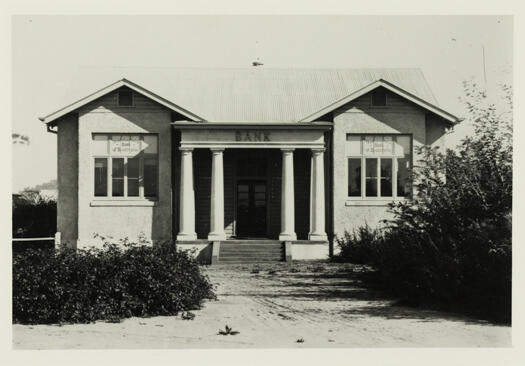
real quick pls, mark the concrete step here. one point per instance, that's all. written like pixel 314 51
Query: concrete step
pixel 225 255
pixel 251 251
pixel 247 252
pixel 251 241
pixel 251 247
pixel 270 257
pixel 277 250
pixel 250 260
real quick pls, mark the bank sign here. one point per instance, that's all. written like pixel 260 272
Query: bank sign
pixel 249 135
pixel 251 138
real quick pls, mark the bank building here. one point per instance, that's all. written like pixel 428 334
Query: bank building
pixel 241 164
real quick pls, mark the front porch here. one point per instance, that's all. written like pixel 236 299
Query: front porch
pixel 251 185
pixel 235 251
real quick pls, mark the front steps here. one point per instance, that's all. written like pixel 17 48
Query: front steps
pixel 250 251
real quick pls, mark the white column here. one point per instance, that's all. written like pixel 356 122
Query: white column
pixel 287 198
pixel 317 193
pixel 187 196
pixel 217 197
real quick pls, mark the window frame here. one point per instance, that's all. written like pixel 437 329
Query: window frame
pixel 378 198
pixel 132 98
pixel 109 160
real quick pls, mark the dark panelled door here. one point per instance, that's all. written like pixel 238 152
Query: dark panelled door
pixel 251 208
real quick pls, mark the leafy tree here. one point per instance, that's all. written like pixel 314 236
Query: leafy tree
pixel 451 244
pixel 19 139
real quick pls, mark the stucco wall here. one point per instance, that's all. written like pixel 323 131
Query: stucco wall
pixel 435 132
pixel 67 179
pixel 309 251
pixel 359 117
pixel 118 222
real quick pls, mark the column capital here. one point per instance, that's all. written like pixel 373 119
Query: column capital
pixel 217 149
pixel 185 149
pixel 287 149
pixel 318 150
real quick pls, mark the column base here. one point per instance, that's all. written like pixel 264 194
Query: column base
pixel 216 236
pixel 215 249
pixel 187 236
pixel 287 237
pixel 317 236
pixel 288 251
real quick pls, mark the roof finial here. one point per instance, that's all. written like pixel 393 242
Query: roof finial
pixel 257 63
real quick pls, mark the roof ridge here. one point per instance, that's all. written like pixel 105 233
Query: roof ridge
pixel 287 68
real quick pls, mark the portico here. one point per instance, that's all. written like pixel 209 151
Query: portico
pixel 254 154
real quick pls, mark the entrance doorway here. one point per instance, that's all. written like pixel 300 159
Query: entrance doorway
pixel 251 216
pixel 251 208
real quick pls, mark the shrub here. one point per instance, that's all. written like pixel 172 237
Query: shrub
pixel 105 284
pixel 467 274
pixel 359 246
pixel 451 245
pixel 33 216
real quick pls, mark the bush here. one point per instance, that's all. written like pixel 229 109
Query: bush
pixel 105 284
pixel 34 216
pixel 451 245
pixel 360 246
pixel 465 274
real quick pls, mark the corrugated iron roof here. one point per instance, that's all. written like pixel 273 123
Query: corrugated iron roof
pixel 252 94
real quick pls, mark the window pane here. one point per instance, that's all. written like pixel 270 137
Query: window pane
pixel 101 177
pixel 368 145
pixel 133 177
pixel 388 146
pixel 371 177
pixel 386 178
pixel 378 146
pixel 150 177
pixel 354 177
pixel 118 177
pixel 260 188
pixel 243 188
pixel 403 177
pixel 124 145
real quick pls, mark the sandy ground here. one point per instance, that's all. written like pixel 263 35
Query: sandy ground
pixel 308 304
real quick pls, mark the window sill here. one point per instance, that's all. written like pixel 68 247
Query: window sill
pixel 373 202
pixel 123 202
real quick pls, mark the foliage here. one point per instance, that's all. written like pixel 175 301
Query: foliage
pixel 451 244
pixel 111 283
pixel 227 331
pixel 17 138
pixel 33 215
pixel 359 246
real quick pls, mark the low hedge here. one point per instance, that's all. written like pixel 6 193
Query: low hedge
pixel 111 283
pixel 468 273
pixel 33 216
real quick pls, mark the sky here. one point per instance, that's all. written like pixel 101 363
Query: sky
pixel 50 51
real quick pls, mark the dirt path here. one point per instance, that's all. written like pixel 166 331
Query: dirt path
pixel 275 306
